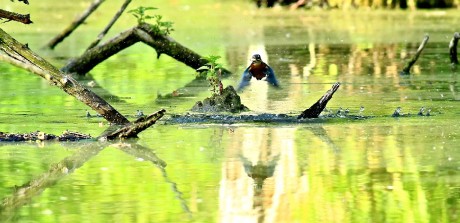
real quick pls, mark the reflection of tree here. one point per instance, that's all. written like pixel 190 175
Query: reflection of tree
pixel 22 195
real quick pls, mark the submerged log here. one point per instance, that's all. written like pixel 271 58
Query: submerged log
pixel 12 16
pixel 453 49
pixel 41 136
pixel 142 33
pixel 411 62
pixel 74 25
pixel 20 55
pixel 318 107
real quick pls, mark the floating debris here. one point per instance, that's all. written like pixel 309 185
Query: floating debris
pixel 420 113
pixel 397 112
pixel 139 113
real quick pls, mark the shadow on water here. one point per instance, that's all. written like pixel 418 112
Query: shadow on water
pixel 25 193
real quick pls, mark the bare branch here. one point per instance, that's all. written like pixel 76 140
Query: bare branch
pixel 12 16
pixel 107 28
pixel 74 25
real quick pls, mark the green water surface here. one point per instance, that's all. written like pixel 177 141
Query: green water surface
pixel 380 169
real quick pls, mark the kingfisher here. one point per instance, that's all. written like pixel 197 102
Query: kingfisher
pixel 259 70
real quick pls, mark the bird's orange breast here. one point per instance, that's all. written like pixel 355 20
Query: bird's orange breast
pixel 257 70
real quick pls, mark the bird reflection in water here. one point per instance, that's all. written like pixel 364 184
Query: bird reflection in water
pixel 260 171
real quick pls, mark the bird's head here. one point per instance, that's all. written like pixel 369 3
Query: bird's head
pixel 256 58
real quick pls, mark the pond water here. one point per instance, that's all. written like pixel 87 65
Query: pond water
pixel 379 169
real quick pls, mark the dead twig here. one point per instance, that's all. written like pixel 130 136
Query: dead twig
pixel 75 24
pixel 12 16
pixel 107 28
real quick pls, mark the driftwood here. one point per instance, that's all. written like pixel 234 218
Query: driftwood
pixel 453 49
pixel 131 130
pixel 20 55
pixel 142 33
pixel 74 25
pixel 411 62
pixel 24 193
pixel 12 16
pixel 318 107
pixel 107 28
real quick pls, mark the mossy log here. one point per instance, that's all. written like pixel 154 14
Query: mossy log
pixel 145 33
pixel 20 55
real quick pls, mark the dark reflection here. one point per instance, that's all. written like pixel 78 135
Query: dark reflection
pixel 259 172
pixel 25 193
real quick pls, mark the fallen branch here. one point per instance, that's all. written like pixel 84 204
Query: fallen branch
pixel 20 55
pixel 96 55
pixel 131 130
pixel 411 62
pixel 318 107
pixel 12 16
pixel 107 28
pixel 453 49
pixel 167 45
pixel 74 25
pixel 142 33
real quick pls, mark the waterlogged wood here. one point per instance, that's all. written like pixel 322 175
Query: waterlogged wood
pixel 20 55
pixel 453 49
pixel 318 107
pixel 74 25
pixel 143 33
pixel 12 16
pixel 41 136
pixel 411 62
pixel 107 28
pixel 131 130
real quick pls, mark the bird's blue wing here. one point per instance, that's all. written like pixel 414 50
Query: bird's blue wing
pixel 271 77
pixel 245 78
